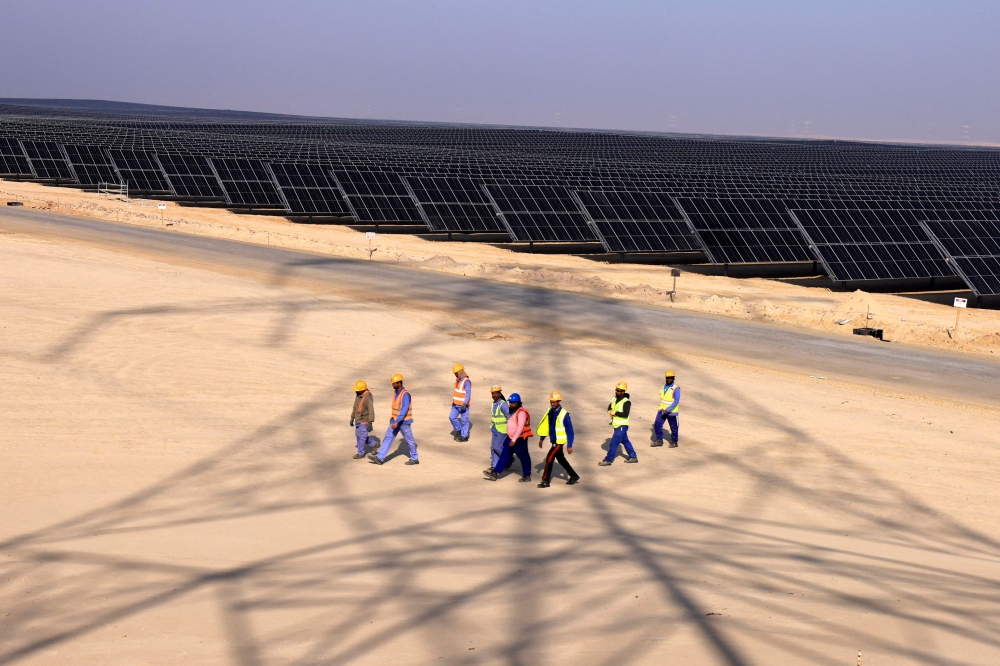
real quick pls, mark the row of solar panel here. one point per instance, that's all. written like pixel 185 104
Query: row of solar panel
pixel 886 240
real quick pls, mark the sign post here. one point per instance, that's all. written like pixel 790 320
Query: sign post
pixel 162 207
pixel 960 304
pixel 370 235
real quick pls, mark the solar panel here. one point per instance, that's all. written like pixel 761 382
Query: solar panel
pixel 638 221
pixel 540 213
pixel 190 176
pixel 454 204
pixel 972 246
pixel 308 189
pixel 746 230
pixel 247 183
pixel 139 170
pixel 12 159
pixel 91 165
pixel 47 161
pixel 378 196
pixel 872 244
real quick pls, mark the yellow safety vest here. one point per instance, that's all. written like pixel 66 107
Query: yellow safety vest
pixel 560 436
pixel 667 399
pixel 499 418
pixel 616 407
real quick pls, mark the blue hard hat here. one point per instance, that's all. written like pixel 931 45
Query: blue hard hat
pixel 514 397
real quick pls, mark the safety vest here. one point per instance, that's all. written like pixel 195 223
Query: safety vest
pixel 499 418
pixel 459 396
pixel 397 404
pixel 667 399
pixel 526 433
pixel 616 406
pixel 560 435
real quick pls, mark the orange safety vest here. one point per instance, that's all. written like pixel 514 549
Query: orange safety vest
pixel 526 432
pixel 397 403
pixel 459 396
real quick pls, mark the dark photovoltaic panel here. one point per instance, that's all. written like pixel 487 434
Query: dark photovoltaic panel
pixel 139 170
pixel 864 244
pixel 972 245
pixel 247 182
pixel 91 165
pixel 638 221
pixel 746 230
pixel 378 196
pixel 454 204
pixel 12 159
pixel 190 176
pixel 541 213
pixel 309 189
pixel 47 160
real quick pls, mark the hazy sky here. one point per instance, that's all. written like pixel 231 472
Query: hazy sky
pixel 908 70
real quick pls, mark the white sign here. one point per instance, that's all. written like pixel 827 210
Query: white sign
pixel 161 206
pixel 961 302
pixel 369 235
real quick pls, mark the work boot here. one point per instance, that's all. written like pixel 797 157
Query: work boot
pixel 491 474
pixel 631 460
pixel 455 433
pixel 604 463
pixel 543 484
pixel 462 439
pixel 488 471
pixel 412 461
pixel 673 445
pixel 573 481
pixel 525 479
pixel 359 456
pixel 375 460
pixel 657 442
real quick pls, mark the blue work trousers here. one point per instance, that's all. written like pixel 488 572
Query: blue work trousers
pixel 460 421
pixel 361 433
pixel 497 445
pixel 406 427
pixel 667 417
pixel 520 449
pixel 620 437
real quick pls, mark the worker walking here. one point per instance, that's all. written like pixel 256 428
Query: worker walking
pixel 362 416
pixel 498 430
pixel 401 422
pixel 558 422
pixel 619 410
pixel 518 433
pixel 460 404
pixel 670 401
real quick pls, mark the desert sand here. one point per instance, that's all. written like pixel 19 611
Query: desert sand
pixel 924 319
pixel 178 488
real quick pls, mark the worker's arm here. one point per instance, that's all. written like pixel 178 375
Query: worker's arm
pixel 468 391
pixel 677 399
pixel 568 423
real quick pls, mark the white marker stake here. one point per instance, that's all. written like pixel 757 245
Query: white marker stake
pixel 960 304
pixel 370 235
pixel 162 208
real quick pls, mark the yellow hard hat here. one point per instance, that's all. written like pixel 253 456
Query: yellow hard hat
pixel 496 389
pixel 670 373
pixel 458 367
pixel 360 385
pixel 555 395
pixel 621 385
pixel 396 378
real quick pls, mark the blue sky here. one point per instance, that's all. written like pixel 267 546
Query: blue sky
pixel 879 70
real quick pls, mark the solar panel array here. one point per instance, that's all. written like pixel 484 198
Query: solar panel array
pixel 865 212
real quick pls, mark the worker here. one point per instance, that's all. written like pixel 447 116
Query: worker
pixel 362 416
pixel 401 422
pixel 618 410
pixel 558 422
pixel 460 404
pixel 518 433
pixel 670 401
pixel 498 430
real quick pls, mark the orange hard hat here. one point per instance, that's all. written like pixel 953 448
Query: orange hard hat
pixel 396 378
pixel 556 396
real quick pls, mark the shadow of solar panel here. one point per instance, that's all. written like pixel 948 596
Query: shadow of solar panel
pixel 872 244
pixel 630 221
pixel 454 204
pixel 12 159
pixel 190 176
pixel 91 165
pixel 378 196
pixel 738 231
pixel 540 213
pixel 140 171
pixel 47 161
pixel 308 189
pixel 247 183
pixel 972 245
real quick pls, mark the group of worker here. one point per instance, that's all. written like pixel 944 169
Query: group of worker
pixel 511 426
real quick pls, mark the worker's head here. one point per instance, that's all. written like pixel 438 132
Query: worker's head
pixel 360 386
pixel 458 369
pixel 555 398
pixel 620 389
pixel 496 392
pixel 669 378
pixel 514 400
pixel 397 381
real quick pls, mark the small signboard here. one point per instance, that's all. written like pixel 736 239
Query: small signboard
pixel 961 302
pixel 369 235
pixel 161 206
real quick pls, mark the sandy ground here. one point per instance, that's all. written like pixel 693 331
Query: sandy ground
pixel 178 488
pixel 922 319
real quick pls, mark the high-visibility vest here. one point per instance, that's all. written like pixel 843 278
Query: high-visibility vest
pixel 526 433
pixel 397 404
pixel 667 399
pixel 560 435
pixel 616 406
pixel 499 418
pixel 459 396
